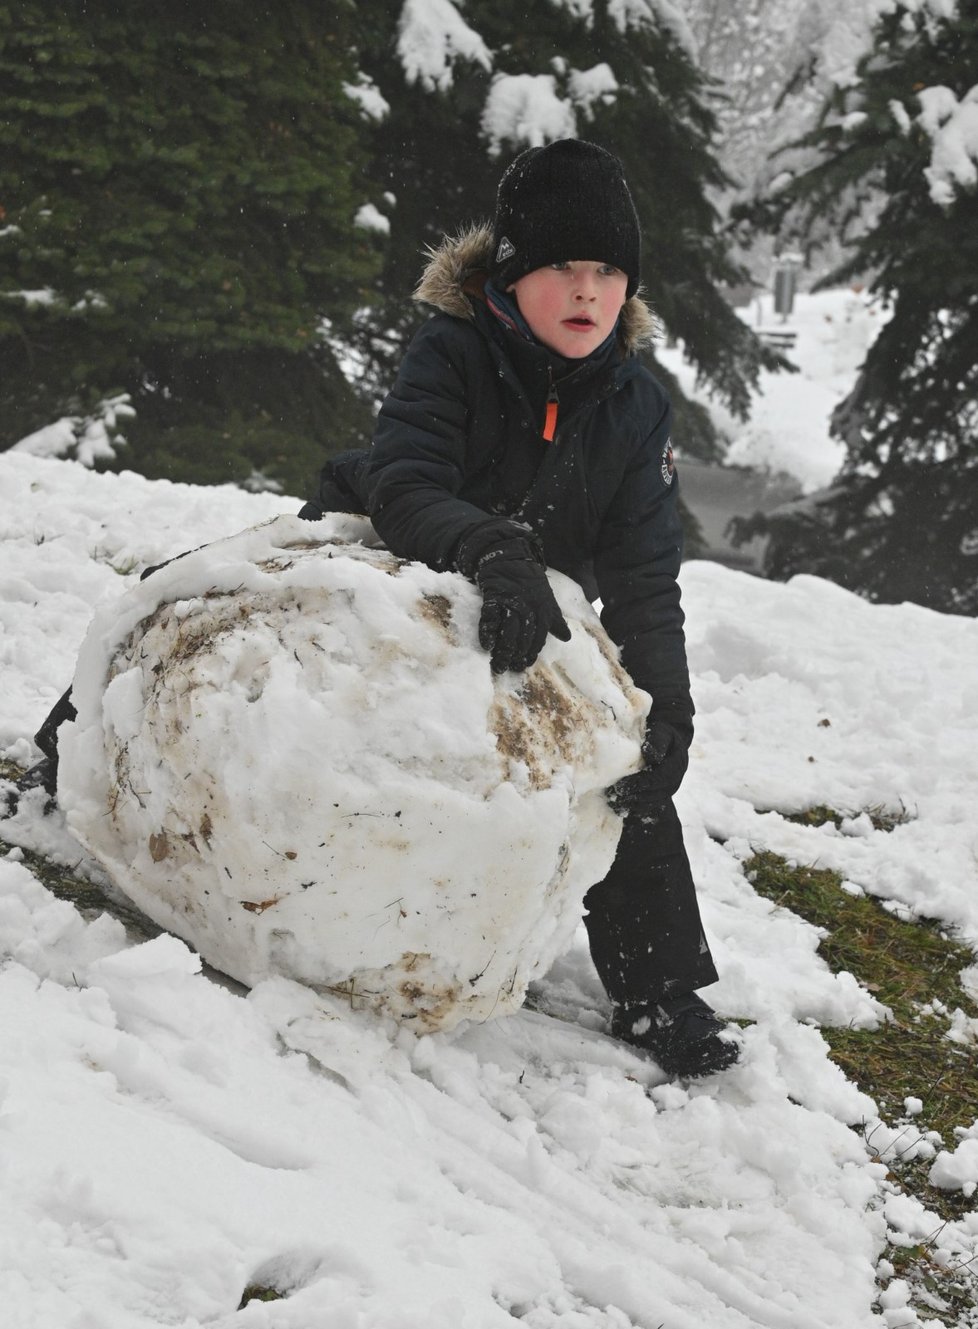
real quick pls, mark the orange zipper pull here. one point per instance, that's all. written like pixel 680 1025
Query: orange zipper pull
pixel 550 419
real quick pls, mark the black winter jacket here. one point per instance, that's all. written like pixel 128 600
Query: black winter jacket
pixel 459 442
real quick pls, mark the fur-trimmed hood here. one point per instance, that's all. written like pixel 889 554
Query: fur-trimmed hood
pixel 451 280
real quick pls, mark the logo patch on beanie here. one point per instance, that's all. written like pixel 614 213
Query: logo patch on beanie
pixel 667 466
pixel 506 250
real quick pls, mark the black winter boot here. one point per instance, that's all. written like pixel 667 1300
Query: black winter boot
pixel 683 1035
pixel 44 773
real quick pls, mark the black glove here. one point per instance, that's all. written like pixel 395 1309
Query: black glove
pixel 665 750
pixel 518 606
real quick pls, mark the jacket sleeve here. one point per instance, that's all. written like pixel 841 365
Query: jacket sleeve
pixel 416 465
pixel 636 567
pixel 340 487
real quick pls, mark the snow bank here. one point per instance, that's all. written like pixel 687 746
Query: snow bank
pixel 291 753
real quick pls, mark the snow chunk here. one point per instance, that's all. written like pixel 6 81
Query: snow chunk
pixel 853 121
pixel 291 753
pixel 964 1028
pixel 900 115
pixel 526 111
pixel 953 129
pixel 372 102
pixel 370 218
pixel 588 86
pixel 432 36
pixel 160 958
pixel 43 296
pixel 958 1170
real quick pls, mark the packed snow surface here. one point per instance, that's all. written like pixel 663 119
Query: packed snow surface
pixel 168 1139
pixel 255 764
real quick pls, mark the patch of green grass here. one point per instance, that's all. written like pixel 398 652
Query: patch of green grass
pixel 60 879
pixel 124 566
pixel 913 967
pixel 882 817
pixel 258 1292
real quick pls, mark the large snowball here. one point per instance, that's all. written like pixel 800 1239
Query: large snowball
pixel 291 752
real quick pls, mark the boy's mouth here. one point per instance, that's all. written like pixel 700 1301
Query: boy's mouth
pixel 580 321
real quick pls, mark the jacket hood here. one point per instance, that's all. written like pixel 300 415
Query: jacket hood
pixel 456 271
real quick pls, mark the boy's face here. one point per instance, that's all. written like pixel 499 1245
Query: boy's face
pixel 571 307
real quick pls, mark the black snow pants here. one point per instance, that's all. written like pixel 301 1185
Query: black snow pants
pixel 643 921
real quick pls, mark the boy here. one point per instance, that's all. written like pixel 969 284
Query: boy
pixel 522 432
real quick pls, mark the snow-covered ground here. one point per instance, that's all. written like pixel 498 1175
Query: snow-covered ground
pixel 168 1139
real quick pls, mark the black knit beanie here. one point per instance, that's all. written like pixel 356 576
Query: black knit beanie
pixel 562 202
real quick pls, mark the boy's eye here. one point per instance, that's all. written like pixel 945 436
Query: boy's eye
pixel 608 270
pixel 560 267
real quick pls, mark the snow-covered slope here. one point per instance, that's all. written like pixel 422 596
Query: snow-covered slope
pixel 168 1139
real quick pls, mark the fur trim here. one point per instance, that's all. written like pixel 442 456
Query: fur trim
pixel 460 257
pixel 449 266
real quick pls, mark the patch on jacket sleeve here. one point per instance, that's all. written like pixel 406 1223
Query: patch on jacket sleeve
pixel 667 466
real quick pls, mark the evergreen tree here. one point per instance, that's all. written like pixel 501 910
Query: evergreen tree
pixel 901 523
pixel 772 64
pixel 179 186
pixel 468 88
pixel 428 172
